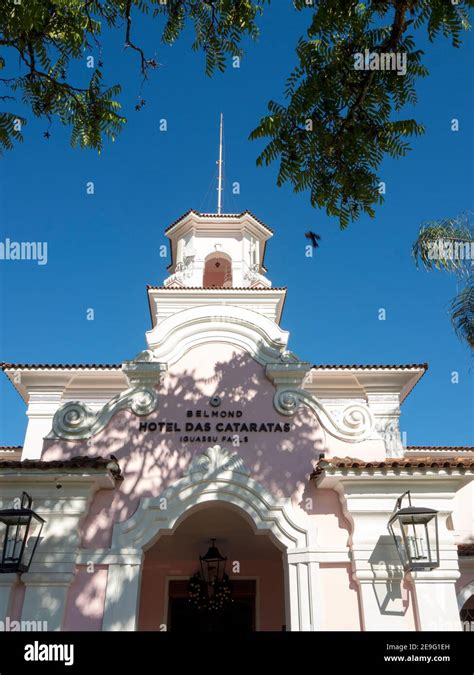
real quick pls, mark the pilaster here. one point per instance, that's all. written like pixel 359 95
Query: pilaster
pixel 42 405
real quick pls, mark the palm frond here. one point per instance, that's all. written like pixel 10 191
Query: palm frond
pixel 446 244
pixel 462 313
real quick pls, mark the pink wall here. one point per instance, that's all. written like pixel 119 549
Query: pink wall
pixel 152 460
pixel 16 600
pixel 85 601
pixel 325 509
pixel 339 597
pixel 408 599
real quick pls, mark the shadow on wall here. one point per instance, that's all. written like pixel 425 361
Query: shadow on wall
pixel 279 457
pixel 393 598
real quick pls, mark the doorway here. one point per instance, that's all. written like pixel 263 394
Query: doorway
pixel 254 566
pixel 237 617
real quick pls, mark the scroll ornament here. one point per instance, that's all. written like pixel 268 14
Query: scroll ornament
pixel 356 420
pixel 76 421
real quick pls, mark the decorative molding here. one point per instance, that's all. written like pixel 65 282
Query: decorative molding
pixel 217 475
pixel 240 327
pixel 183 271
pixel 356 421
pixel 389 429
pixel 144 369
pixel 216 460
pixel 289 357
pixel 252 276
pixel 385 406
pixel 76 421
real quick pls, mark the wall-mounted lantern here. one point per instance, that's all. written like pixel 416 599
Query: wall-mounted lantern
pixel 20 530
pixel 415 532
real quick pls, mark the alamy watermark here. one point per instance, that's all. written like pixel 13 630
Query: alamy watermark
pixel 24 250
pixel 449 249
pixel 368 60
pixel 10 625
pixel 38 651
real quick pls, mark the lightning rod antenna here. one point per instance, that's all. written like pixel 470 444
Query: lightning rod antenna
pixel 220 163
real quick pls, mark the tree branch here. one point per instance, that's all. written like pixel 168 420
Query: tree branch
pixel 398 27
pixel 129 43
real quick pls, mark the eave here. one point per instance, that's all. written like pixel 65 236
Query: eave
pixel 362 381
pixel 214 222
pixel 74 380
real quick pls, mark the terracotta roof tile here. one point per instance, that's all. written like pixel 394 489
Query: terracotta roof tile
pixel 59 366
pixel 406 366
pixel 180 218
pixel 218 215
pixel 80 462
pixel 201 288
pixel 336 464
pixel 441 448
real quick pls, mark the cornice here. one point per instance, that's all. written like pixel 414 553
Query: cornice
pixel 242 328
pixel 185 297
pixel 98 381
pixel 378 383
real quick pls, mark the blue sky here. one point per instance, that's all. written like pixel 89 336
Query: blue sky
pixel 104 248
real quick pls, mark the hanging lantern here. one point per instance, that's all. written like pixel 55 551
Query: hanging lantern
pixel 212 565
pixel 20 530
pixel 415 532
pixel 210 589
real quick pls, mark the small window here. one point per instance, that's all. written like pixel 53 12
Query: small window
pixel 217 271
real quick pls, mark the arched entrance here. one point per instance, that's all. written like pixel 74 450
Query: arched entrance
pixel 254 565
pixel 217 478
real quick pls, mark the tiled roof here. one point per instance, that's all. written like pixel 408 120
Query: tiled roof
pixel 11 447
pixel 118 366
pixel 441 448
pixel 465 549
pixel 350 464
pixel 203 288
pixel 59 366
pixel 79 462
pixel 218 215
pixel 404 366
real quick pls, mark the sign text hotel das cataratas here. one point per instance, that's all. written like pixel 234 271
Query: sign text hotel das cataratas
pixel 214 426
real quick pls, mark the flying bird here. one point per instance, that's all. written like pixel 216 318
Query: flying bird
pixel 314 238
